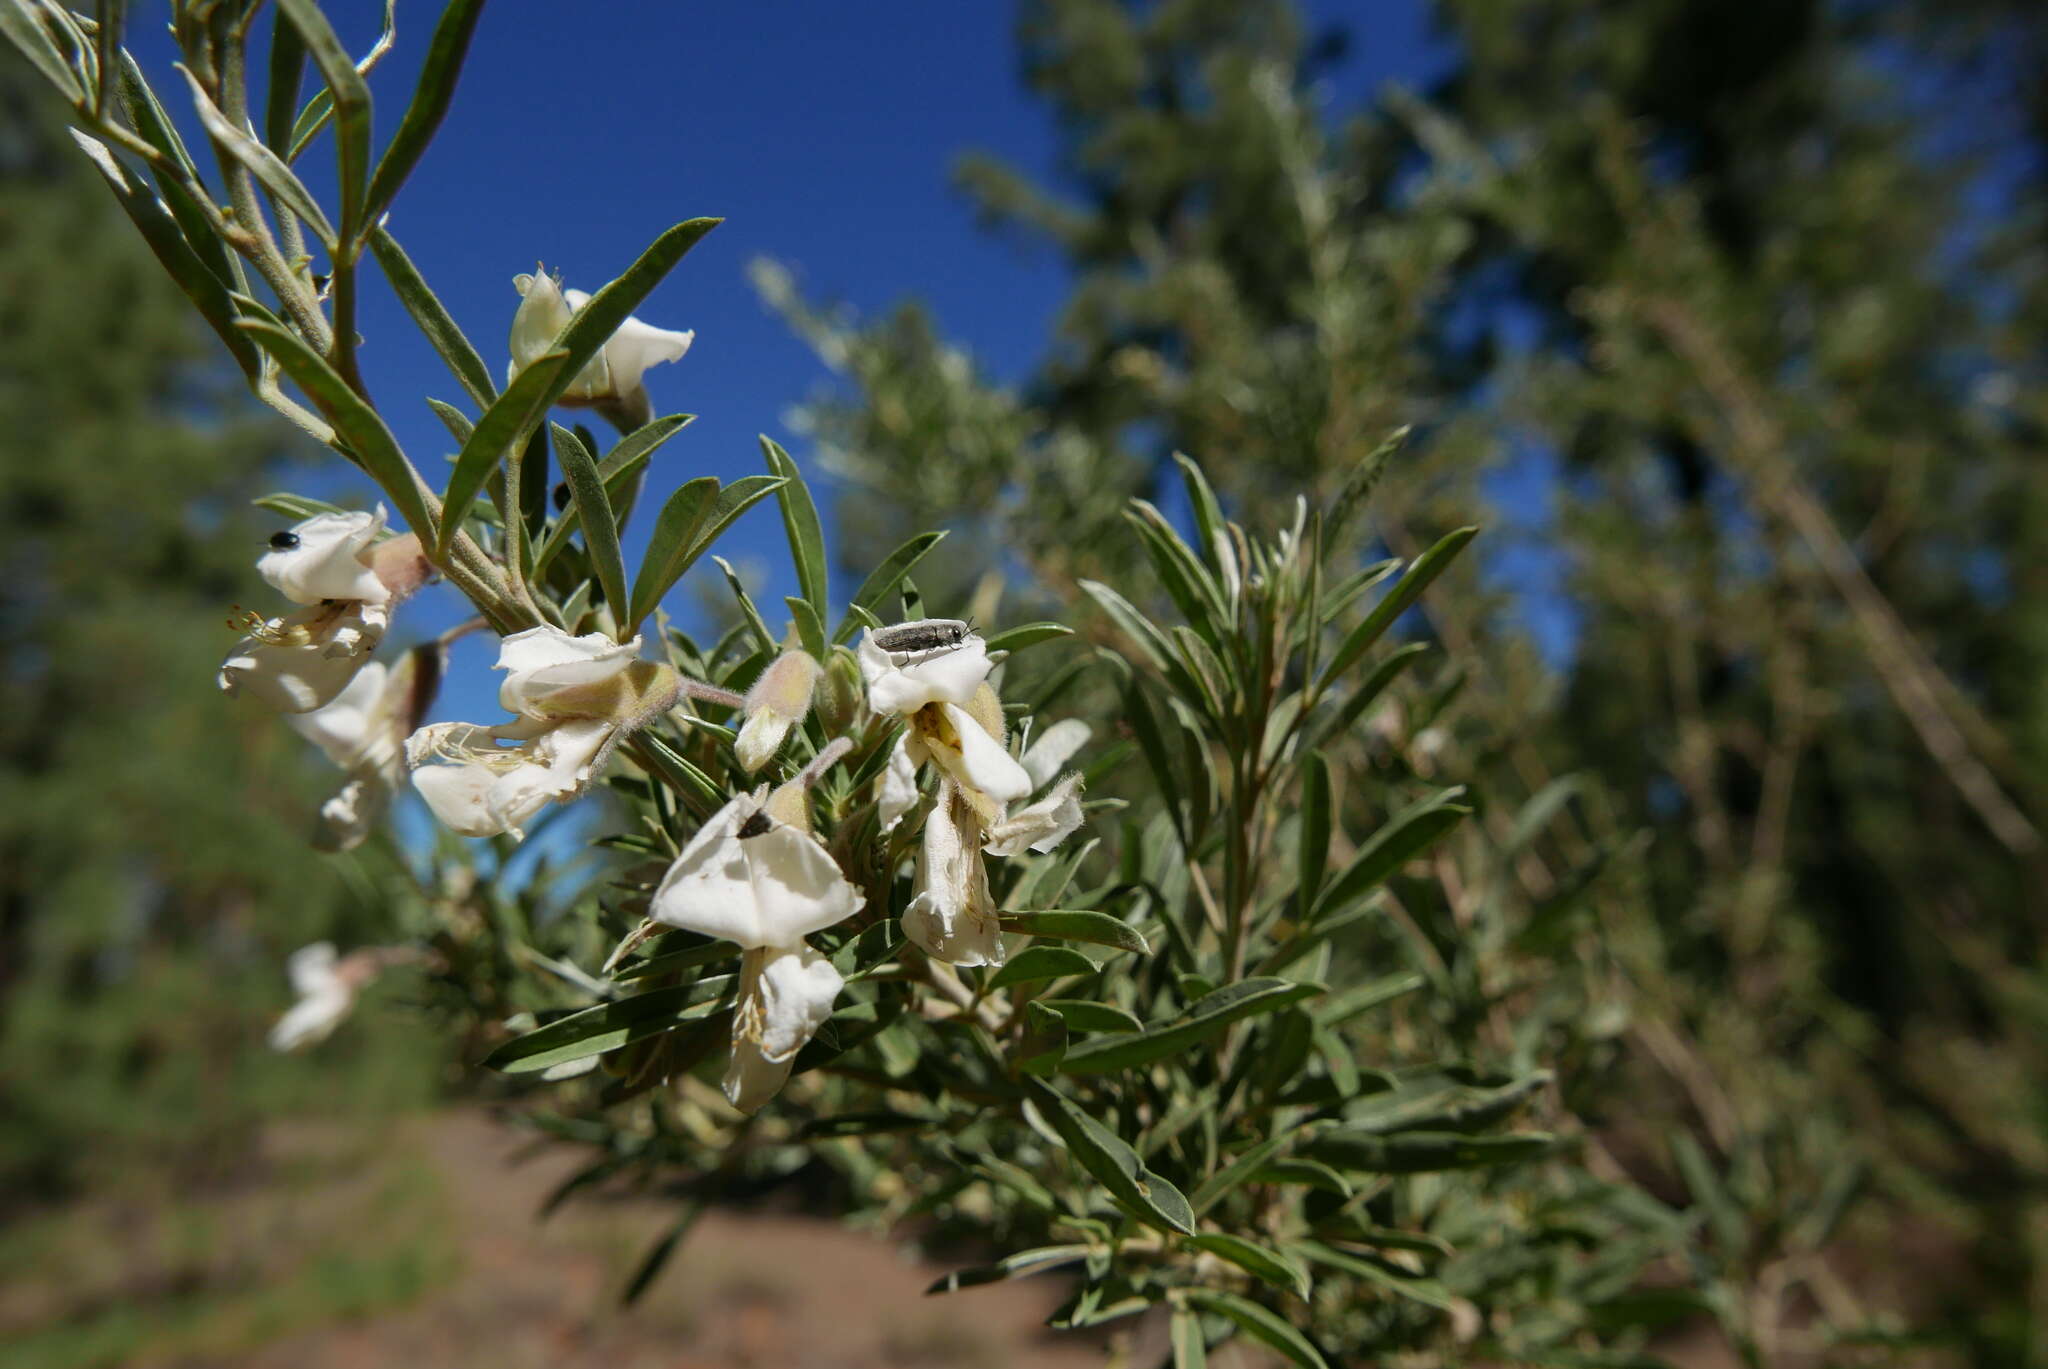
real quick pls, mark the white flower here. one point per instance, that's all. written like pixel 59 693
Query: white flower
pixel 349 583
pixel 576 696
pixel 1053 748
pixel 326 557
pixel 754 881
pixel 612 378
pixel 777 702
pixel 953 917
pixel 325 996
pixel 786 993
pixel 1042 826
pixel 364 732
pixel 903 681
pixel 957 742
pixel 304 661
pixel 763 884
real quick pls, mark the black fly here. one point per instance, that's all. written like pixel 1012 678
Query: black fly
pixel 284 541
pixel 921 637
pixel 755 825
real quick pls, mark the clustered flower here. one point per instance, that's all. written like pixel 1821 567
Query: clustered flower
pixel 755 874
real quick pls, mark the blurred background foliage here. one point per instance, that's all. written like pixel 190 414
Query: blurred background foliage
pixel 1725 321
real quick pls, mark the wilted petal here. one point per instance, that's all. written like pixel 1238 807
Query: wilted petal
pixel 630 350
pixel 342 725
pixel 460 796
pixel 299 663
pixel 953 917
pixel 346 818
pixel 1050 751
pixel 1042 826
pixel 897 685
pixel 786 994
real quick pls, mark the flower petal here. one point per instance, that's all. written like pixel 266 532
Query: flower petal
pixel 1042 826
pixel 328 559
pixel 341 726
pixel 947 677
pixel 1050 751
pixel 542 660
pixel 953 917
pixel 897 794
pixel 980 762
pixel 771 888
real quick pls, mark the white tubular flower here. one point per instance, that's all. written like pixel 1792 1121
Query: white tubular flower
pixel 934 660
pixel 611 380
pixel 953 917
pixel 576 696
pixel 1042 826
pixel 897 794
pixel 326 557
pixel 777 702
pixel 349 583
pixel 786 993
pixel 764 884
pixel 1053 748
pixel 325 997
pixel 967 744
pixel 364 732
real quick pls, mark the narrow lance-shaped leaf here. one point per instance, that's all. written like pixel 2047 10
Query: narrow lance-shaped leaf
pixel 1260 1323
pixel 608 1026
pixel 1041 962
pixel 431 316
pixel 1204 1019
pixel 895 566
pixel 510 417
pixel 1399 600
pixel 262 163
pixel 281 91
pixel 1078 924
pixel 1408 833
pixel 665 563
pixel 445 54
pixel 200 285
pixel 1314 835
pixel 1111 1160
pixel 800 522
pixel 355 423
pixel 1270 1265
pixel 351 96
pixel 600 531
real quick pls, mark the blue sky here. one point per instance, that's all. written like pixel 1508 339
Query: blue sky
pixel 823 134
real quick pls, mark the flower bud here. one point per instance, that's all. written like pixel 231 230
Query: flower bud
pixel 776 703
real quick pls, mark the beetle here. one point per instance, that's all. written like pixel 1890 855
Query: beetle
pixel 284 541
pixel 925 637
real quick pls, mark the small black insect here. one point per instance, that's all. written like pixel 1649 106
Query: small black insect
pixel 284 541
pixel 924 635
pixel 755 825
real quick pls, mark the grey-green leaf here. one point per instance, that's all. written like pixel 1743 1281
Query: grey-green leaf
pixel 1211 1014
pixel 1270 1265
pixel 1078 924
pixel 1110 1159
pixel 800 522
pixel 600 529
pixel 1261 1323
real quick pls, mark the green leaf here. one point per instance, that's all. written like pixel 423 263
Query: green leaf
pixel 1026 634
pixel 351 96
pixel 863 1124
pixel 1015 1266
pixel 1270 1265
pixel 146 113
pixel 895 566
pixel 675 532
pixel 600 530
pixel 1209 521
pixel 281 91
pixel 427 311
pixel 1335 723
pixel 1537 813
pixel 510 417
pixel 453 419
pixel 1134 624
pixel 1402 837
pixel 1239 1171
pixel 1399 600
pixel 262 163
pixel 1313 840
pixel 438 74
pixel 19 22
pixel 608 1026
pixel 1105 1155
pixel 810 629
pixel 1418 1287
pixel 800 522
pixel 296 507
pixel 1437 1102
pixel 206 290
pixel 1348 1003
pixel 1211 1014
pixel 355 422
pixel 1041 962
pixel 1185 1331
pixel 657 1256
pixel 1260 1323
pixel 667 561
pixel 1076 924
pixel 1422 1152
pixel 635 447
pixel 748 612
pixel 1082 1015
pixel 616 478
pixel 1308 1173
